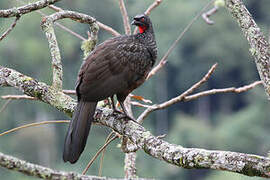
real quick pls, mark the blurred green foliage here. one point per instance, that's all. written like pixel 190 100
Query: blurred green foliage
pixel 234 122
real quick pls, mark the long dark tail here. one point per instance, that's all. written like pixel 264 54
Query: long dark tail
pixel 78 130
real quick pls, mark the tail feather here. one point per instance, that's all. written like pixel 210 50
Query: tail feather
pixel 78 131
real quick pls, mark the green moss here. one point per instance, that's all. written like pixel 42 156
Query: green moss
pixel 37 94
pixel 219 3
pixel 250 171
pixel 27 79
pixel 253 51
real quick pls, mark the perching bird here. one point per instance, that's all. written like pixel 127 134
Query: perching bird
pixel 116 67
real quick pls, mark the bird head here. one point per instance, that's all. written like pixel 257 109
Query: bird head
pixel 142 21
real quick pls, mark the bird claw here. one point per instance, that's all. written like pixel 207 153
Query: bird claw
pixel 125 116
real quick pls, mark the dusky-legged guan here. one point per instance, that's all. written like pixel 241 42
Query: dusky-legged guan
pixel 115 67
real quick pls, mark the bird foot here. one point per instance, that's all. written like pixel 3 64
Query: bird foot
pixel 125 116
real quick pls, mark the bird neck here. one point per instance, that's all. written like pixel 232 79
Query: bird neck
pixel 148 39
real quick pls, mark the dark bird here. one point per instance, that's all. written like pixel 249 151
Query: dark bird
pixel 116 67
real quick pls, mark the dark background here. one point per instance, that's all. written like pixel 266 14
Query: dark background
pixel 233 122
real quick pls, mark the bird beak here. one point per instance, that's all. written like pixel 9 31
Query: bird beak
pixel 136 23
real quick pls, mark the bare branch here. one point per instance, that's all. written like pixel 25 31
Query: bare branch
pixel 70 92
pixel 55 8
pixel 58 24
pixel 10 28
pixel 32 125
pixel 148 11
pixel 225 90
pixel 178 98
pixel 5 105
pixel 209 13
pixel 26 9
pixel 125 17
pixel 152 6
pixel 97 154
pixel 69 31
pixel 108 29
pixel 134 103
pixel 101 25
pixel 103 154
pixel 17 97
pixel 259 46
pixel 163 60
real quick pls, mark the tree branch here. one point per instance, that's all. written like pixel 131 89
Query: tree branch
pixel 125 17
pixel 155 4
pixel 246 164
pixel 191 158
pixel 101 25
pixel 178 98
pixel 26 9
pixel 259 46
pixel 39 90
pixel 47 27
pixel 10 28
pixel 163 60
pixel 225 90
pixel 35 170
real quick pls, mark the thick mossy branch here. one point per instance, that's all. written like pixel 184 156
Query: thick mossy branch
pixel 26 9
pixel 191 158
pixel 39 90
pixel 34 170
pixel 259 47
pixel 57 82
pixel 247 164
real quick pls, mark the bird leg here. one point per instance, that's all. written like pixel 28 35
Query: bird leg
pixel 124 109
pixel 126 113
pixel 113 105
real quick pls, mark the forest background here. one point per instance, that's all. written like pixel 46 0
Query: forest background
pixel 233 122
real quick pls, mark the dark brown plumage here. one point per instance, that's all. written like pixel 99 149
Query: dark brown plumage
pixel 116 67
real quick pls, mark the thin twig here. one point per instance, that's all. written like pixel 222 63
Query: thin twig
pixel 55 8
pixel 96 155
pixel 108 29
pixel 32 125
pixel 10 28
pixel 101 25
pixel 163 60
pixel 125 17
pixel 178 98
pixel 69 92
pixel 209 13
pixel 5 105
pixel 17 97
pixel 56 23
pixel 135 103
pixel 103 154
pixel 70 31
pixel 225 90
pixel 148 11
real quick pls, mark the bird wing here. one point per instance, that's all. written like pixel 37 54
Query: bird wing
pixel 111 68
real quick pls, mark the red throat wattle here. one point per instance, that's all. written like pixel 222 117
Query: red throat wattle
pixel 142 29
